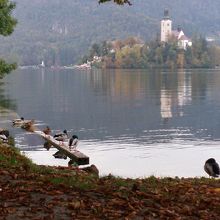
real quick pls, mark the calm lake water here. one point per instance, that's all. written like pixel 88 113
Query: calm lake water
pixel 131 123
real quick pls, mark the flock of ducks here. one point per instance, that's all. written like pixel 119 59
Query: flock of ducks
pixel 73 141
pixel 211 167
pixel 63 136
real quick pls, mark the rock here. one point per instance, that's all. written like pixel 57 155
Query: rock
pixel 91 169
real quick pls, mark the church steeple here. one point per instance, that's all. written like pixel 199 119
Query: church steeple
pixel 166 26
pixel 166 14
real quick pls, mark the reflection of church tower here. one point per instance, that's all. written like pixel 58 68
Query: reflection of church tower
pixel 184 94
pixel 166 27
pixel 166 104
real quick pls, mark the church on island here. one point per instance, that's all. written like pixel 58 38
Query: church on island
pixel 167 33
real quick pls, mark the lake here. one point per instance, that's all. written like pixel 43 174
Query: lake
pixel 131 123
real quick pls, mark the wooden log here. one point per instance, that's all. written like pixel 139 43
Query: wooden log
pixel 75 155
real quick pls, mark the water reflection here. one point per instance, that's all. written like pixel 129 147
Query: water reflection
pixel 5 102
pixel 150 122
pixel 7 107
pixel 117 85
pixel 171 99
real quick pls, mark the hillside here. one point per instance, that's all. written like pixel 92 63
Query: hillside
pixel 60 32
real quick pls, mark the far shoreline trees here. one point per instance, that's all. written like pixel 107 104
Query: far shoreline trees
pixel 133 53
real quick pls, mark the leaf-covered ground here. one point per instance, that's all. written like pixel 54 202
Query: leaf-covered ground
pixel 28 191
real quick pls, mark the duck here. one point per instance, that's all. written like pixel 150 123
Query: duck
pixel 18 121
pixel 211 167
pixel 73 142
pixel 4 135
pixel 28 125
pixel 3 138
pixel 4 132
pixel 47 130
pixel 61 136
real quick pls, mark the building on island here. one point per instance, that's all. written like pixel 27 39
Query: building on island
pixel 167 33
pixel 166 27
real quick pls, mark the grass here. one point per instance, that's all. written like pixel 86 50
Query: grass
pixel 57 180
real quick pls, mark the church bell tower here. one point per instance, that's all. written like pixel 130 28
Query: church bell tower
pixel 166 27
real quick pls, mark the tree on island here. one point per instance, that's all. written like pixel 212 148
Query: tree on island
pixel 7 24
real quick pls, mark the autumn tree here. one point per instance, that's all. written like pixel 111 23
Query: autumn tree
pixel 7 24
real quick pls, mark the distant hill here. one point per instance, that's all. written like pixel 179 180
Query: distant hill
pixel 61 31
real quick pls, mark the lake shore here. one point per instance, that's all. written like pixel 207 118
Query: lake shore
pixel 29 191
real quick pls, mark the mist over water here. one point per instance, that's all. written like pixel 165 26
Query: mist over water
pixel 131 123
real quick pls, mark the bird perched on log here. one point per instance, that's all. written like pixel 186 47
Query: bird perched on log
pixel 73 142
pixel 47 130
pixel 212 168
pixel 61 136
